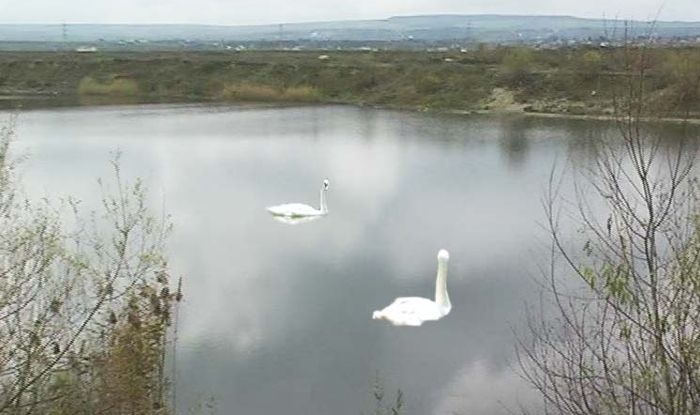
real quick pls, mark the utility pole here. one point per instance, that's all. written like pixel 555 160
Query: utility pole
pixel 64 36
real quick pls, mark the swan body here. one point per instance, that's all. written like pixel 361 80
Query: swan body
pixel 414 311
pixel 300 210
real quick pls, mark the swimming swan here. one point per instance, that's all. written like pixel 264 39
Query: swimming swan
pixel 413 311
pixel 300 210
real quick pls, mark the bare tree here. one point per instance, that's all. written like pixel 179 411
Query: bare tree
pixel 619 327
pixel 74 301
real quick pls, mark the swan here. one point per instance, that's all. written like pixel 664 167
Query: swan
pixel 300 210
pixel 413 311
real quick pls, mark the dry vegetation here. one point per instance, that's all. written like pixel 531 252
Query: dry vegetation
pixel 566 81
pixel 264 93
pixel 114 87
pixel 85 309
pixel 620 332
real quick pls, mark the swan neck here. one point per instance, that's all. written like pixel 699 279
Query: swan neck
pixel 441 297
pixel 324 206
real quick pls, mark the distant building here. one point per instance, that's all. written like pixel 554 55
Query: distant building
pixel 86 49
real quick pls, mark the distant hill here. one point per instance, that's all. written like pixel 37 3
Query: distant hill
pixel 433 28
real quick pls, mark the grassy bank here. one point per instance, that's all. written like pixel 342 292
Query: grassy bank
pixel 565 81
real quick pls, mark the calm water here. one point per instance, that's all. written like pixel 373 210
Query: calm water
pixel 277 317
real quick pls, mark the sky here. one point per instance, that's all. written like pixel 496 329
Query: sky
pixel 241 12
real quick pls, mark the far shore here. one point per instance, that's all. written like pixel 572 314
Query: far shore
pixel 576 83
pixel 29 103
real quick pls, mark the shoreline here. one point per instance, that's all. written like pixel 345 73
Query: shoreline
pixel 504 111
pixel 573 83
pixel 48 102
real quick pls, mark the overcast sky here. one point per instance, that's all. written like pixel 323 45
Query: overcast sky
pixel 234 12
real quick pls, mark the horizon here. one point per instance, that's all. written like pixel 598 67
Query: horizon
pixel 156 23
pixel 272 12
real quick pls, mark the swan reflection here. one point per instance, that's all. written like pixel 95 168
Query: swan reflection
pixel 295 220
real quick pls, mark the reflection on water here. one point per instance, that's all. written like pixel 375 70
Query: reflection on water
pixel 277 319
pixel 295 220
pixel 513 139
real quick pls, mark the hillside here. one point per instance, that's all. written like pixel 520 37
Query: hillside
pixel 476 28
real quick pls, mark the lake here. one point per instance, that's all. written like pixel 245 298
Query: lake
pixel 277 317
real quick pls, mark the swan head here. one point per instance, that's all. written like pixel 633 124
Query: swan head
pixel 443 255
pixel 326 183
pixel 377 315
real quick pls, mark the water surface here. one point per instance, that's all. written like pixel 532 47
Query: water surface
pixel 277 318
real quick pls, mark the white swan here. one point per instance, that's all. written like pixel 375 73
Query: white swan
pixel 300 210
pixel 413 311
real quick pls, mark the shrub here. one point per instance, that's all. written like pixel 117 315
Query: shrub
pixel 517 64
pixel 114 87
pixel 84 309
pixel 245 91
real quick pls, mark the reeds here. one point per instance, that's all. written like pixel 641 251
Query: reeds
pixel 246 91
pixel 122 87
